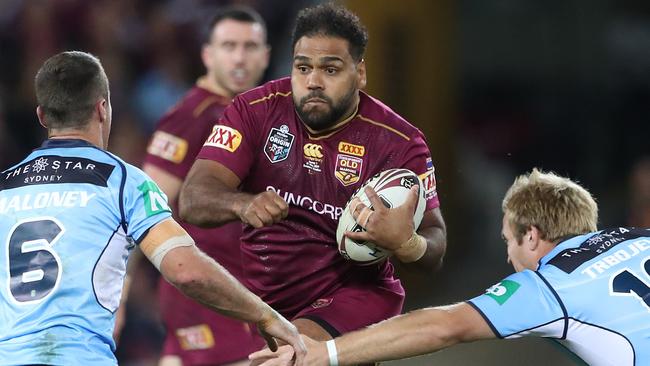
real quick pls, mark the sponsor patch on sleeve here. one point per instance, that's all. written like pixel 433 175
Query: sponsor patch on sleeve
pixel 429 182
pixel 168 147
pixel 155 201
pixel 195 337
pixel 224 137
pixel 502 291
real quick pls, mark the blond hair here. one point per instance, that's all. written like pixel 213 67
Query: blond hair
pixel 556 206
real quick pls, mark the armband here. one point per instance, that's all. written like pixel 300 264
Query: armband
pixel 413 249
pixel 169 244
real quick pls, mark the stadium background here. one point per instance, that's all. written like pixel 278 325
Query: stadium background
pixel 497 86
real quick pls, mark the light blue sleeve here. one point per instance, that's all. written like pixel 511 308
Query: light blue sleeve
pixel 522 304
pixel 145 204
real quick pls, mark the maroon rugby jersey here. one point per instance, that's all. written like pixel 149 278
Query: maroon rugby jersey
pixel 173 148
pixel 262 140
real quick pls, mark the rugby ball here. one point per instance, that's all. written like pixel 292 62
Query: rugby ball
pixel 392 187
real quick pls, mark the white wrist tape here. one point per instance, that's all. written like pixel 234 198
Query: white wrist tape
pixel 169 244
pixel 331 352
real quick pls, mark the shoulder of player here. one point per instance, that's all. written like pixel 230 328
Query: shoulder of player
pixel 378 114
pixel 126 170
pixel 197 104
pixel 271 93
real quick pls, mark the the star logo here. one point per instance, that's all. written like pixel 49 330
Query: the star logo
pixel 39 165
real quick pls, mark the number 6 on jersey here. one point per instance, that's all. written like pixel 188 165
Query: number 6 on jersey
pixel 34 269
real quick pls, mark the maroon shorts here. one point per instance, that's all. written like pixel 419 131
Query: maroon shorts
pixel 200 336
pixel 353 307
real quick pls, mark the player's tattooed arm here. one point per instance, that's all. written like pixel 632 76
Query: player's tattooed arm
pixel 210 197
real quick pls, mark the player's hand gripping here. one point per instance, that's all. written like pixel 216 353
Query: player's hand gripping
pixel 275 326
pixel 388 228
pixel 316 355
pixel 264 209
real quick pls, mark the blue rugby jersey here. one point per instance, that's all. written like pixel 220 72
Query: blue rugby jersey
pixel 591 293
pixel 69 215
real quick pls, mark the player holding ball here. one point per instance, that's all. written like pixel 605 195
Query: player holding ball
pixel 286 157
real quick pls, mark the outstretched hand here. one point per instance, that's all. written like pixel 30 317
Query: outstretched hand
pixel 388 228
pixel 278 327
pixel 316 355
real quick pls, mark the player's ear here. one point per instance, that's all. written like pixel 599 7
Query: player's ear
pixel 41 116
pixel 267 55
pixel 361 74
pixel 532 237
pixel 102 109
pixel 206 55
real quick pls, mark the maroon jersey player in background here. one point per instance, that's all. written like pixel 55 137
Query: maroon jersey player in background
pixel 235 55
pixel 285 158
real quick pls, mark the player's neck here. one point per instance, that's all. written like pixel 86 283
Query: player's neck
pixel 76 134
pixel 208 83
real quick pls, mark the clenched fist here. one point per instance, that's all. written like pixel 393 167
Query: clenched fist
pixel 264 209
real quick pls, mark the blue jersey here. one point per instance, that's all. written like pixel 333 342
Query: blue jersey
pixel 591 293
pixel 69 215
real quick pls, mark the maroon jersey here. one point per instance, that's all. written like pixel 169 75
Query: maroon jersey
pixel 263 141
pixel 173 148
pixel 196 334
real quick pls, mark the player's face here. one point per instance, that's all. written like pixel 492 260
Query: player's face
pixel 236 56
pixel 325 81
pixel 519 254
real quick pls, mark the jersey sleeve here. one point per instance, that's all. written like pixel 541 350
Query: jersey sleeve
pixel 232 141
pixel 145 204
pixel 178 139
pixel 169 151
pixel 418 159
pixel 522 304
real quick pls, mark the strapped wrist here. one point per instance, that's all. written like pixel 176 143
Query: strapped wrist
pixel 413 249
pixel 332 353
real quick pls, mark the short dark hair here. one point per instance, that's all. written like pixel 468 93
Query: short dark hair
pixel 240 13
pixel 332 20
pixel 67 87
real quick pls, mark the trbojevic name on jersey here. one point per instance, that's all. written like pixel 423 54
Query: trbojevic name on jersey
pixel 69 215
pixel 590 293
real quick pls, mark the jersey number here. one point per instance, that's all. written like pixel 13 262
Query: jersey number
pixel 626 282
pixel 34 269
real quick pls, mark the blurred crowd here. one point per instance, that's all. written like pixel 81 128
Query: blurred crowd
pixel 149 48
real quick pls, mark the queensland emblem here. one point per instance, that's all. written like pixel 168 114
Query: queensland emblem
pixel 278 144
pixel 348 169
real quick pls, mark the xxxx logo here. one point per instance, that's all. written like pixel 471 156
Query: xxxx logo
pixel 224 137
pixel 351 149
pixel 313 151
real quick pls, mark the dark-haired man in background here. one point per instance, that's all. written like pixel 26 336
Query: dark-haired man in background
pixel 235 55
pixel 285 158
